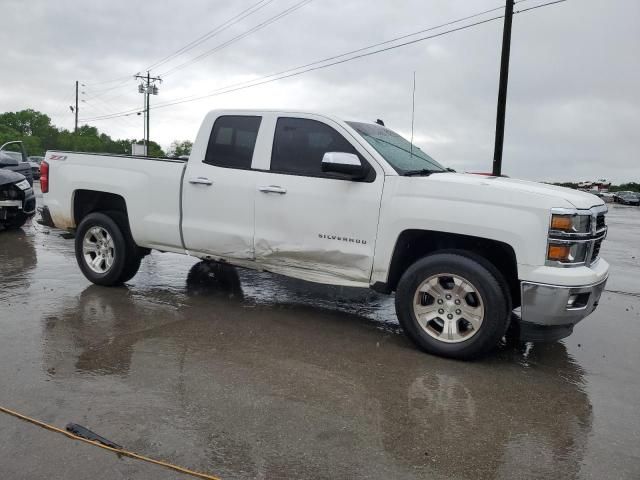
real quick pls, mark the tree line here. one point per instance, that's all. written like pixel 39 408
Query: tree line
pixel 39 135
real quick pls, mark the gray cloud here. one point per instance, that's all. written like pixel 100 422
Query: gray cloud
pixel 573 110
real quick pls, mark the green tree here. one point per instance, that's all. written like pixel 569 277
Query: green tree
pixel 39 135
pixel 33 128
pixel 626 187
pixel 180 147
pixel 155 150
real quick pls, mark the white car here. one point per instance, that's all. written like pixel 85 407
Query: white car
pixel 344 203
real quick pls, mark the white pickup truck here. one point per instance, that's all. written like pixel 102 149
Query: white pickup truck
pixel 345 203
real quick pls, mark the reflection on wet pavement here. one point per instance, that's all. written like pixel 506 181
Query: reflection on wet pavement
pixel 251 375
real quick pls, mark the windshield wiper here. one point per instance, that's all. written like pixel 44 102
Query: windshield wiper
pixel 423 171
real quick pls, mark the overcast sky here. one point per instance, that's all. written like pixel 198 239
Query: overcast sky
pixel 573 107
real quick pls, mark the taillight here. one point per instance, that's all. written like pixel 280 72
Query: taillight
pixel 44 177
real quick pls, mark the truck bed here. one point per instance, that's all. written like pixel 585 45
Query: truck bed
pixel 149 186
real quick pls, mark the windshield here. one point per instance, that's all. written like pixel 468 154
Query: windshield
pixel 15 155
pixel 395 149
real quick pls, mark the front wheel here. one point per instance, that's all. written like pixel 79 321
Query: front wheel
pixel 17 222
pixel 452 305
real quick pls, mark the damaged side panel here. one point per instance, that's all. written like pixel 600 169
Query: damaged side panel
pixel 324 227
pixel 339 265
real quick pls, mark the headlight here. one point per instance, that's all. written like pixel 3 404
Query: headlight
pixel 569 223
pixel 23 185
pixel 570 252
pixel 575 236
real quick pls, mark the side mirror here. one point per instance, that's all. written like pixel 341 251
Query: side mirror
pixel 345 163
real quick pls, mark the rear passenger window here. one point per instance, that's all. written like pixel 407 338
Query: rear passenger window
pixel 232 141
pixel 300 144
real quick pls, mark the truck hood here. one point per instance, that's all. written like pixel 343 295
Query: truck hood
pixel 575 198
pixel 8 176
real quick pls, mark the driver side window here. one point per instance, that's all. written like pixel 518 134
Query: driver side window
pixel 299 145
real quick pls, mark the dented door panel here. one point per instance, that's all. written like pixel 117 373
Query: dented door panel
pixel 323 225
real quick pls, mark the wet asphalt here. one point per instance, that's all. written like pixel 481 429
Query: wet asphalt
pixel 250 375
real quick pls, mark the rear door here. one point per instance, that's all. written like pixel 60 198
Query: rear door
pixel 309 223
pixel 219 188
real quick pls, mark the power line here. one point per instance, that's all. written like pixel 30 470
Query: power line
pixel 362 55
pixel 99 93
pixel 106 110
pixel 247 12
pixel 243 14
pixel 267 79
pixel 386 42
pixel 210 34
pixel 106 81
pixel 264 80
pixel 537 6
pixel 118 126
pixel 134 110
pixel 260 26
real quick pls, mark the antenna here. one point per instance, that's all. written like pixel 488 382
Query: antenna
pixel 413 109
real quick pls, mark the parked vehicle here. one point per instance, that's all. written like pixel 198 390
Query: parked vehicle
pixel 15 161
pixel 35 162
pixel 344 203
pixel 627 198
pixel 17 201
pixel 607 197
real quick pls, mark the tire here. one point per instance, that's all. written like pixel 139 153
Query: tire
pixel 104 236
pixel 496 274
pixel 130 269
pixel 134 253
pixel 480 296
pixel 17 222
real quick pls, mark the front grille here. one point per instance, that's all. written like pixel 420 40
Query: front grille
pixel 600 224
pixel 10 192
pixel 596 250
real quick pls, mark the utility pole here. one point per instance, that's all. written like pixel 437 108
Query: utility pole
pixel 75 130
pixel 502 89
pixel 148 112
pixel 147 87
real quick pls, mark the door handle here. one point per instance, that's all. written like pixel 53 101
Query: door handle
pixel 200 181
pixel 272 189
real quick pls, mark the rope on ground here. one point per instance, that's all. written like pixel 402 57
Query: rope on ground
pixel 620 292
pixel 119 451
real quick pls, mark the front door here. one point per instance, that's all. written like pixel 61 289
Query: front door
pixel 309 223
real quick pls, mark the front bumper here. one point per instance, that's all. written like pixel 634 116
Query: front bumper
pixel 549 312
pixel 25 206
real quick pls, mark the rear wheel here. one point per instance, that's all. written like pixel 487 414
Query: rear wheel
pixel 135 254
pixel 103 251
pixel 452 305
